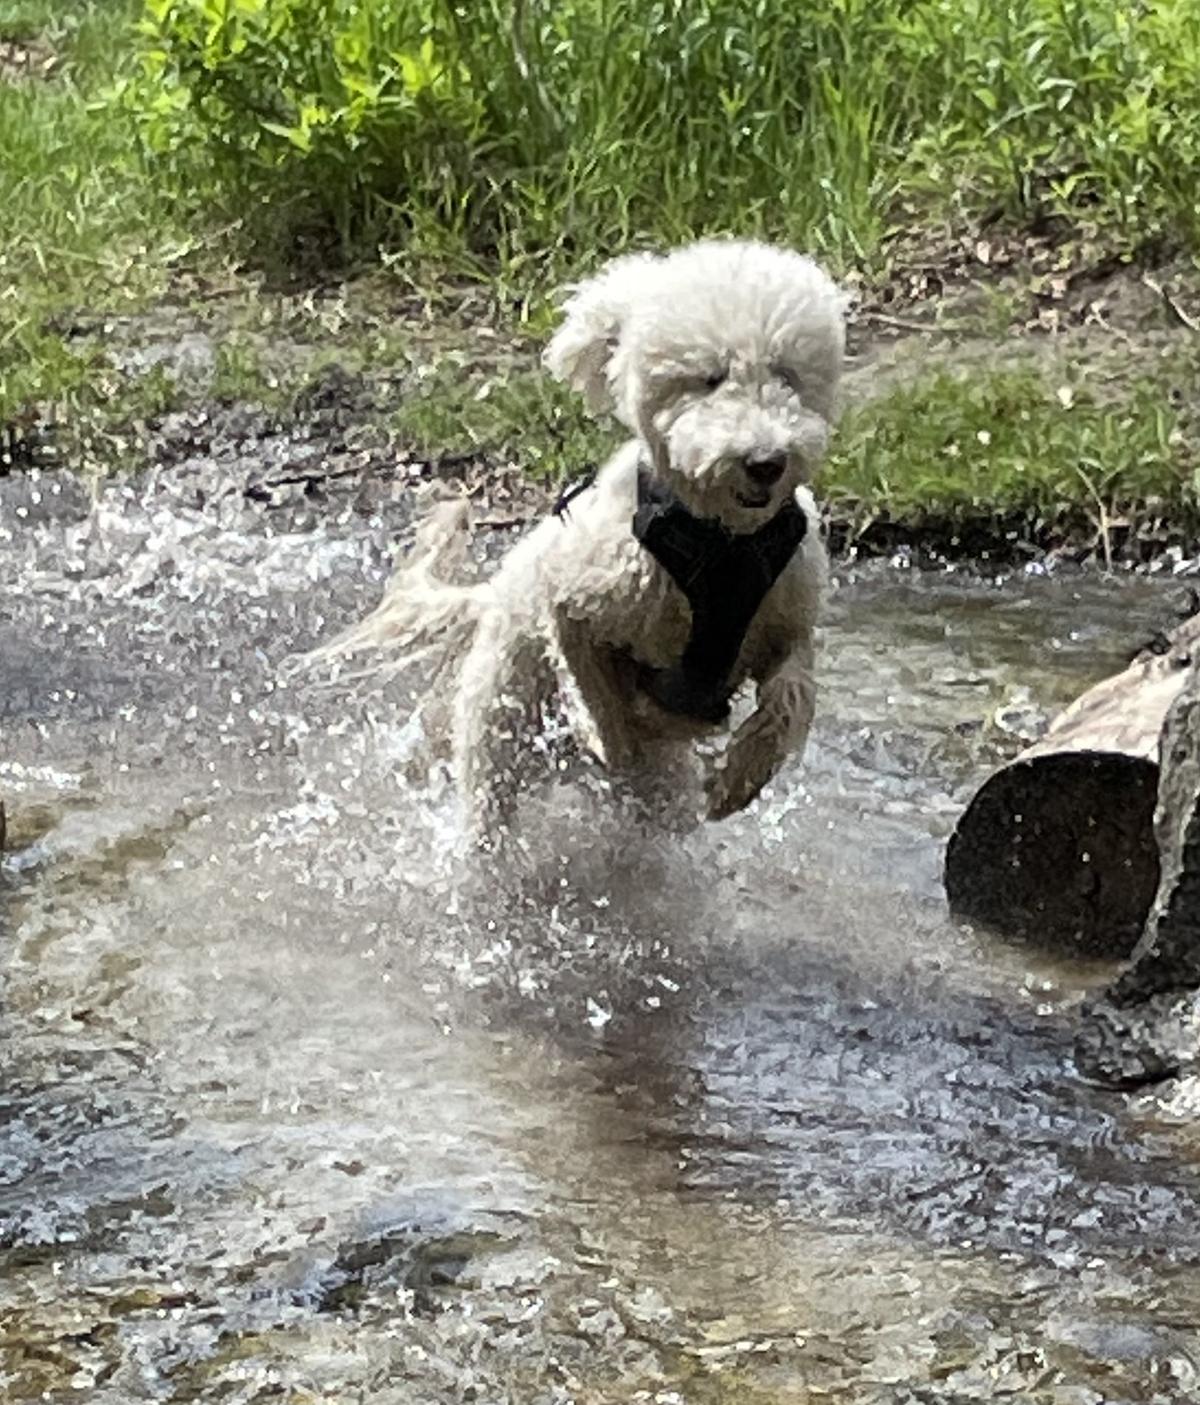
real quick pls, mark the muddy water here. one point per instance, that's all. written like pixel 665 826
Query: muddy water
pixel 295 1109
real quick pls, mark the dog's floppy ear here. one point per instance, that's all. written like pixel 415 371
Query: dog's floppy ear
pixel 581 350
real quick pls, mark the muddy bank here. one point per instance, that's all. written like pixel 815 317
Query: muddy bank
pixel 365 382
pixel 321 451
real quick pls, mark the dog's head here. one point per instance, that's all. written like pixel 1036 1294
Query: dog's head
pixel 723 357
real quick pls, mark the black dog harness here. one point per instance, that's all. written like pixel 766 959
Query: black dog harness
pixel 725 577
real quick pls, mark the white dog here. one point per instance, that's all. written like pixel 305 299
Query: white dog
pixel 689 566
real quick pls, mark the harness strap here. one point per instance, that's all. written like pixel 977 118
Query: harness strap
pixel 725 577
pixel 562 505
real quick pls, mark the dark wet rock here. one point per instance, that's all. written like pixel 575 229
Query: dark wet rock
pixel 1146 1041
pixel 407 1259
pixel 27 442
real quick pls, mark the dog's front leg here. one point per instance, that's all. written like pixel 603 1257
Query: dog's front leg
pixel 506 680
pixel 596 682
pixel 777 727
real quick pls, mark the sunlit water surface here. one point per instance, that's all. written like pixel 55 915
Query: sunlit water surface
pixel 295 1107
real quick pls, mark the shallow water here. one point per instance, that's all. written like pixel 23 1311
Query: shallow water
pixel 292 1110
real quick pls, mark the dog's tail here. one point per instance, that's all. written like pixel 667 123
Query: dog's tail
pixel 424 616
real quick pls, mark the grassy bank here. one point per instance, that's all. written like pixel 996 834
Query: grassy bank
pixel 162 164
pixel 1032 456
pixel 1096 451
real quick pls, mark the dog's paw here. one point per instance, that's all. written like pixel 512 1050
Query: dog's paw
pixel 750 761
pixel 729 790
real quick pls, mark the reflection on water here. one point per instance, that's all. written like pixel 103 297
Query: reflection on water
pixel 293 1110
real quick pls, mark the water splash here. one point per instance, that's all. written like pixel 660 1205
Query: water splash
pixel 300 1097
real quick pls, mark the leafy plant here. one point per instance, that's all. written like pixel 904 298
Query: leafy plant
pixel 327 109
pixel 520 130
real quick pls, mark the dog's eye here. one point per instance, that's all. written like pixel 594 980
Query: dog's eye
pixel 787 376
pixel 716 379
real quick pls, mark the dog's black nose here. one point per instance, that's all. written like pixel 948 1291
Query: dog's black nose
pixel 766 470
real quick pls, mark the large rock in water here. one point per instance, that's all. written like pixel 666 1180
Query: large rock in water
pixel 1058 847
pixel 1147 1024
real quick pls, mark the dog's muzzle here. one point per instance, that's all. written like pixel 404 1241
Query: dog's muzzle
pixel 763 474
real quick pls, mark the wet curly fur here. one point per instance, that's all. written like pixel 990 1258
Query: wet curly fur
pixel 720 357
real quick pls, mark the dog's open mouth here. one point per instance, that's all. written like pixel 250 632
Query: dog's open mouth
pixel 762 499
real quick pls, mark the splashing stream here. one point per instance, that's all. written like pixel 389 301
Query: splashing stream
pixel 291 1110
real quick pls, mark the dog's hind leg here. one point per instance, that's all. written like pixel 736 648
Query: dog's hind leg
pixel 507 679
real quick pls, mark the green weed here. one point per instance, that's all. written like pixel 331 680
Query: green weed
pixel 525 140
pixel 518 416
pixel 1062 448
pixel 78 229
pixel 970 446
pixel 240 373
pixel 533 133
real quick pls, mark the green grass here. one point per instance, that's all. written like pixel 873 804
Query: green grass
pixel 518 416
pixel 1065 450
pixel 80 230
pixel 1055 449
pixel 518 148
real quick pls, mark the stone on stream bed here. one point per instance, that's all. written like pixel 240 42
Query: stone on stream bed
pixel 1058 846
